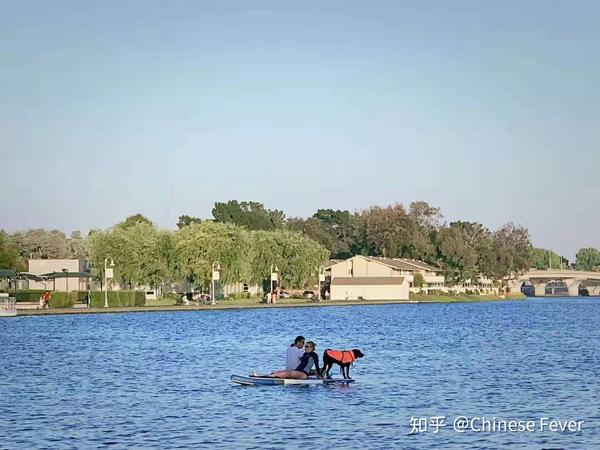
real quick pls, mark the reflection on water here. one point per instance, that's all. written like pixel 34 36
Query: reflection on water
pixel 160 380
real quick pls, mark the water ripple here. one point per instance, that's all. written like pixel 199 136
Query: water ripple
pixel 161 380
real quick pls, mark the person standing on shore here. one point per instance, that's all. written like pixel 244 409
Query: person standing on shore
pixel 294 353
pixel 46 298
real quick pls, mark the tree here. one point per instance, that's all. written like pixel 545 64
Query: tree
pixel 510 252
pixel 336 230
pixel 463 250
pixel 198 246
pixel 10 257
pixel 142 254
pixel 297 256
pixel 251 215
pixel 184 221
pixel 588 259
pixel 386 231
pixel 456 256
pixel 133 220
pixel 418 280
pixel 543 259
pixel 342 227
pixel 77 246
pixel 42 244
pixel 424 215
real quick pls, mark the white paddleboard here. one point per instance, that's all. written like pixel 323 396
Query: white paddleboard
pixel 271 381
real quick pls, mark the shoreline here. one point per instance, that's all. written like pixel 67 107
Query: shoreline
pixel 223 306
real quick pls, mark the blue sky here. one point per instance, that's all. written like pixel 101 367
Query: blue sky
pixel 490 110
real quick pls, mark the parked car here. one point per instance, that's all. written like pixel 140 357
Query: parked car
pixel 284 294
pixel 309 294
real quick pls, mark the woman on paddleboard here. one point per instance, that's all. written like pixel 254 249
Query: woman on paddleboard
pixel 309 360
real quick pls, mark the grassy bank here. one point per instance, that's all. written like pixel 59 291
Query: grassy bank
pixel 169 304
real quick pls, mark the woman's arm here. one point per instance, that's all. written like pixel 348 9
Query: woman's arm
pixel 316 359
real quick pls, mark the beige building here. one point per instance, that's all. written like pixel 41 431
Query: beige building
pixel 44 266
pixel 369 288
pixel 390 267
pixel 365 278
pixel 482 285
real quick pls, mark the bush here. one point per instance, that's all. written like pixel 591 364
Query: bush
pixel 26 295
pixel 63 299
pixel 118 299
pixel 140 298
pixel 57 298
pixel 239 295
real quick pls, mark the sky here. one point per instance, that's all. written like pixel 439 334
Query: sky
pixel 488 110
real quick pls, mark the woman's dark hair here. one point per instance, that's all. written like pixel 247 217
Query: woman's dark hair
pixel 299 339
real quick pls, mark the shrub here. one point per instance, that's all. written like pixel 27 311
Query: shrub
pixel 140 298
pixel 118 299
pixel 63 299
pixel 418 280
pixel 239 295
pixel 26 295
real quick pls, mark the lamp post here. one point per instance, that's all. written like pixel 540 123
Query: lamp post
pixel 66 279
pixel 107 275
pixel 274 277
pixel 216 276
pixel 89 284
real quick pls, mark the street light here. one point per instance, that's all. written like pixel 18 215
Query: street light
pixel 274 271
pixel 107 275
pixel 66 279
pixel 216 276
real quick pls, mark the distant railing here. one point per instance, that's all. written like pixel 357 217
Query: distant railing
pixel 8 306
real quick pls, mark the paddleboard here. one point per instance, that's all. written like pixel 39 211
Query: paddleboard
pixel 271 381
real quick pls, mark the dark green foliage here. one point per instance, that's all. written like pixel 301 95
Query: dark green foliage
pixel 10 257
pixel 546 259
pixel 418 280
pixel 134 220
pixel 588 259
pixel 118 299
pixel 336 230
pixel 27 295
pixel 184 221
pixel 64 299
pixel 251 215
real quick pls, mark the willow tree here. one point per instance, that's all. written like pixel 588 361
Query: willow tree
pixel 143 255
pixel 198 246
pixel 297 256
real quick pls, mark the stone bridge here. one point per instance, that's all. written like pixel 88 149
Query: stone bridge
pixel 572 278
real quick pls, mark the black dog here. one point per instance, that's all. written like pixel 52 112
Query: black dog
pixel 342 358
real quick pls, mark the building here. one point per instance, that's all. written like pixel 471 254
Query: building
pixel 365 278
pixel 432 277
pixel 44 266
pixel 482 285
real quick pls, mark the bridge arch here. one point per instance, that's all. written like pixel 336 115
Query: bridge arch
pixel 573 281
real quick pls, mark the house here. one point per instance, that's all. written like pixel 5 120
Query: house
pixel 365 278
pixel 396 267
pixel 433 279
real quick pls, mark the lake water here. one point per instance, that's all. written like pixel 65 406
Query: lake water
pixel 161 380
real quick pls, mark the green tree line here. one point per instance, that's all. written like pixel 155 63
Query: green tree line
pixel 246 238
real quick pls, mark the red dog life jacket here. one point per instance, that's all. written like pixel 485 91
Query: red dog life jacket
pixel 341 356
